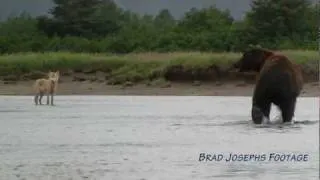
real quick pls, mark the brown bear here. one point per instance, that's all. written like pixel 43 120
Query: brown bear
pixel 252 60
pixel 279 81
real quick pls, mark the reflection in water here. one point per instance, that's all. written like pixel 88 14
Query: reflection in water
pixel 132 137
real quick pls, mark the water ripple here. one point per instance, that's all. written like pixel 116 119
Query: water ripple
pixel 131 137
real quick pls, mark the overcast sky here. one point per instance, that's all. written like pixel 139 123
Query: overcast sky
pixel 176 7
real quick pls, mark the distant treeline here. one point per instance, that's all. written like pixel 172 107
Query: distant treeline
pixel 101 26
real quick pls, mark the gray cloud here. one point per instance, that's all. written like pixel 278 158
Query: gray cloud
pixel 177 7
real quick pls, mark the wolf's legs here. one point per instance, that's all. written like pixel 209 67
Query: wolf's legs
pixel 52 99
pixel 36 98
pixel 40 98
pixel 47 99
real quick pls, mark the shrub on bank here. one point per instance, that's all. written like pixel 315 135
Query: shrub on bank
pixel 137 67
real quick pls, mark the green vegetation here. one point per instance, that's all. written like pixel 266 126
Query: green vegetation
pixel 96 35
pixel 137 67
pixel 99 26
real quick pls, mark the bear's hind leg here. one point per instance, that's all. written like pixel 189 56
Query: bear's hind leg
pixel 258 113
pixel 287 110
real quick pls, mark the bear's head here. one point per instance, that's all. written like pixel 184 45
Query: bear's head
pixel 252 60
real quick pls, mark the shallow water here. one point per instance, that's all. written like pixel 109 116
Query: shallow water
pixel 132 137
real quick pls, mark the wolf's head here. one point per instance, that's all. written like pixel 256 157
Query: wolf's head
pixel 54 76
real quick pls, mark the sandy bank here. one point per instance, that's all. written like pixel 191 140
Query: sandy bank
pixel 183 89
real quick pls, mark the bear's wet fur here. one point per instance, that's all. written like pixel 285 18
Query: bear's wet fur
pixel 279 82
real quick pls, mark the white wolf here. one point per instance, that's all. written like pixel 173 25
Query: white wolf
pixel 46 86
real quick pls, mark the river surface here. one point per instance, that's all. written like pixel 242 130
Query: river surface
pixel 159 137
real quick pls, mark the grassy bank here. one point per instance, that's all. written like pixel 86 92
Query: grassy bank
pixel 135 68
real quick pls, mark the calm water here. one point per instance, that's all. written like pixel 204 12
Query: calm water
pixel 123 138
